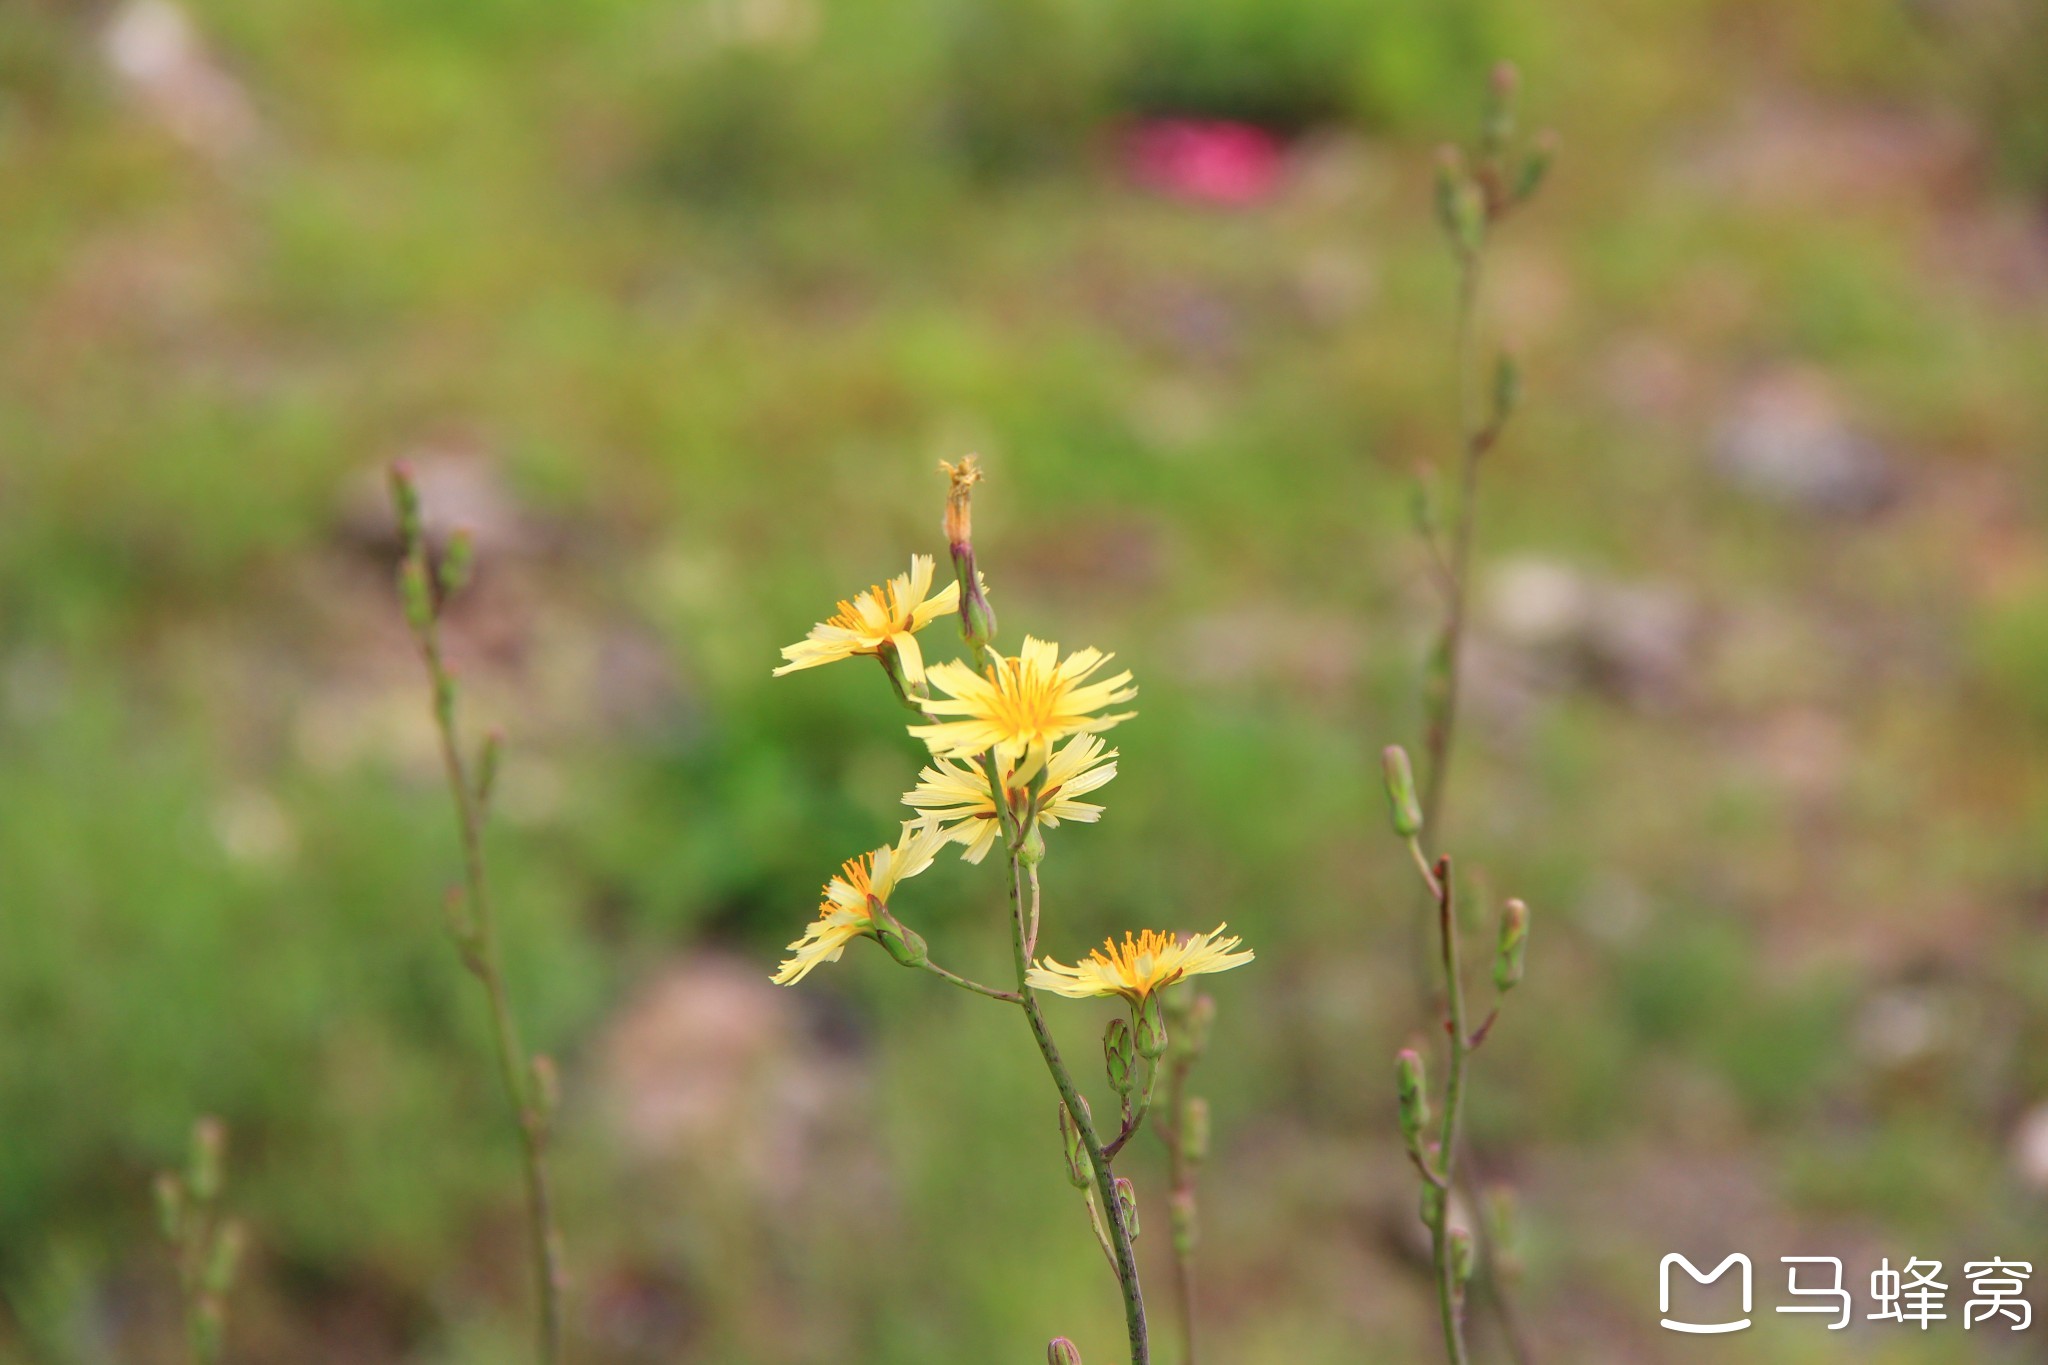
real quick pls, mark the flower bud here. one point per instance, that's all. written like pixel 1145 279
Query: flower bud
pixel 1401 800
pixel 547 1087
pixel 1460 203
pixel 1432 1209
pixel 1152 1035
pixel 219 1273
pixel 1463 1256
pixel 977 617
pixel 1504 1229
pixel 1510 959
pixel 905 944
pixel 170 1206
pixel 405 497
pixel 209 1155
pixel 414 592
pixel 458 562
pixel 1185 1229
pixel 1070 1140
pixel 1411 1085
pixel 1119 1056
pixel 1201 1021
pixel 488 757
pixel 1127 1204
pixel 1507 387
pixel 1501 87
pixel 1535 165
pixel 1194 1138
pixel 1060 1351
pixel 1032 851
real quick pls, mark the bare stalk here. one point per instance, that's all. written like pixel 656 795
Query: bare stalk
pixel 1024 913
pixel 1472 199
pixel 528 1079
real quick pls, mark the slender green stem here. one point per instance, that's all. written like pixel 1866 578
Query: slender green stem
pixel 1123 1259
pixel 1009 997
pixel 1448 1291
pixel 1474 441
pixel 481 952
pixel 1172 1132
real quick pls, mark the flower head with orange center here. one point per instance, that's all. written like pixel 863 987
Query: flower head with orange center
pixel 1021 706
pixel 856 901
pixel 955 794
pixel 1138 966
pixel 888 614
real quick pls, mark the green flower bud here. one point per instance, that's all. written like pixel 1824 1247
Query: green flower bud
pixel 547 1087
pixel 1032 851
pixel 1201 1021
pixel 1460 203
pixel 905 944
pixel 170 1206
pixel 1119 1056
pixel 1152 1035
pixel 1463 1256
pixel 1535 166
pixel 488 757
pixel 1060 1351
pixel 1504 81
pixel 413 592
pixel 458 563
pixel 1507 387
pixel 209 1155
pixel 1504 1228
pixel 1401 800
pixel 1194 1138
pixel 1432 1200
pixel 1070 1139
pixel 1127 1204
pixel 1512 955
pixel 405 496
pixel 1184 1223
pixel 226 1255
pixel 1411 1084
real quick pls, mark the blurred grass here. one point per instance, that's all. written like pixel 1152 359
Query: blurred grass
pixel 713 285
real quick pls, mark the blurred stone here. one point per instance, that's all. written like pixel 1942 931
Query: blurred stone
pixel 1788 441
pixel 712 1067
pixel 1647 376
pixel 254 829
pixel 2030 1149
pixel 1802 151
pixel 153 48
pixel 1635 641
pixel 1900 1026
pixel 1273 645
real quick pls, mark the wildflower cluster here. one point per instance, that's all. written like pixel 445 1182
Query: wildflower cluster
pixel 1015 743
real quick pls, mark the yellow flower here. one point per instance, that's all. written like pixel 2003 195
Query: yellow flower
pixel 955 794
pixel 1139 966
pixel 847 908
pixel 891 612
pixel 1022 705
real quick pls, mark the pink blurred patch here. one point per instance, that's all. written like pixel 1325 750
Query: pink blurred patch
pixel 1210 161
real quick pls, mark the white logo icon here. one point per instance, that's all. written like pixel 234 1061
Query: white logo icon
pixel 1702 1328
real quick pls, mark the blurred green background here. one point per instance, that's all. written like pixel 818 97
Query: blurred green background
pixel 677 304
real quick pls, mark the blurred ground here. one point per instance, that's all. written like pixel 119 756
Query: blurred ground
pixel 677 305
